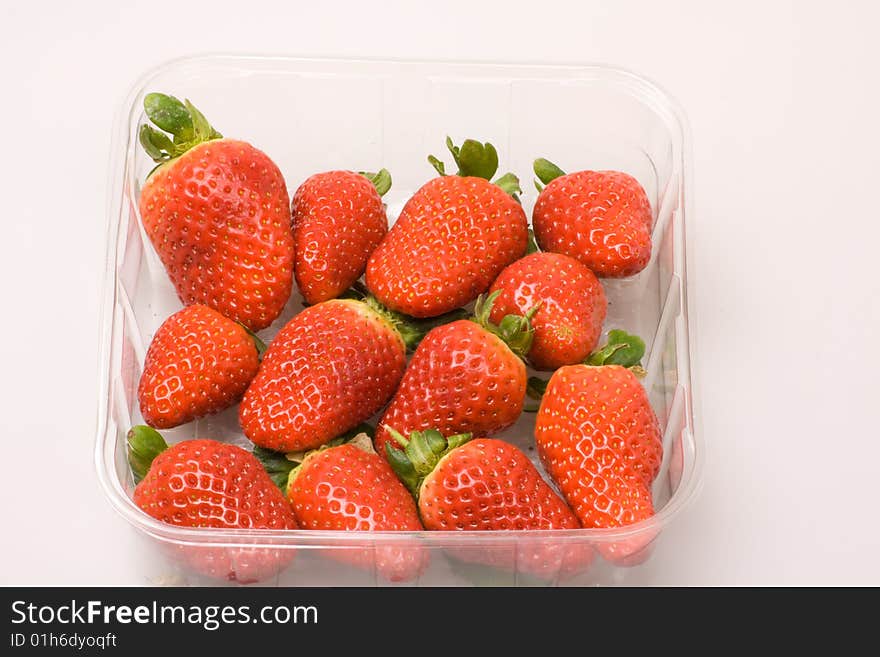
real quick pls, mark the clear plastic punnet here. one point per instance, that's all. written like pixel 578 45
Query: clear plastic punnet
pixel 313 115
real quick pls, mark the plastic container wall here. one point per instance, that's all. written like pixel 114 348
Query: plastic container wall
pixel 311 115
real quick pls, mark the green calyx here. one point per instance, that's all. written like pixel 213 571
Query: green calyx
pixel 407 329
pixel 622 348
pixel 186 126
pixel 480 160
pixel 546 172
pixel 144 445
pixel 509 183
pixel 536 387
pixel 515 330
pixel 381 180
pixel 411 329
pixel 258 342
pixel 283 468
pixel 532 245
pixel 417 457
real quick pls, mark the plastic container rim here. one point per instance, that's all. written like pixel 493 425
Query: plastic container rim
pixel 686 491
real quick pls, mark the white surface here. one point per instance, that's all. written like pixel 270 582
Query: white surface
pixel 783 103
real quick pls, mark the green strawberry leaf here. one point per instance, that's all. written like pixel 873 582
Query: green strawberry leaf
pixel 536 387
pixel 510 184
pixel 414 458
pixel 277 465
pixel 403 468
pixel 533 243
pixel 437 164
pixel 622 349
pixel 258 342
pixel 546 171
pixel 201 127
pixel 144 445
pixel 170 115
pixel 479 160
pixel 187 126
pixel 381 180
pixel 475 159
pixel 516 330
pixel 157 144
pixel 411 329
pixel 472 158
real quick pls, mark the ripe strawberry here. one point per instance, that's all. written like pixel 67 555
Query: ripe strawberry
pixel 599 440
pixel 331 367
pixel 351 488
pixel 485 485
pixel 217 212
pixel 452 238
pixel 198 363
pixel 571 306
pixel 205 483
pixel 338 220
pixel 464 377
pixel 602 218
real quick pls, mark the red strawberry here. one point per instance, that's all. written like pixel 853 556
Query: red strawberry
pixel 452 238
pixel 205 483
pixel 464 377
pixel 486 485
pixel 571 306
pixel 331 367
pixel 602 218
pixel 351 488
pixel 198 363
pixel 218 215
pixel 600 441
pixel 338 220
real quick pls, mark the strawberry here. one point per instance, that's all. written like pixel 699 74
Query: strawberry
pixel 600 441
pixel 351 488
pixel 464 377
pixel 602 218
pixel 571 306
pixel 217 212
pixel 331 367
pixel 452 238
pixel 485 485
pixel 338 220
pixel 205 483
pixel 198 363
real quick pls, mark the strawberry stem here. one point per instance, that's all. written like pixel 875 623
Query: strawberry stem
pixel 622 348
pixel 187 126
pixel 144 445
pixel 515 330
pixel 479 160
pixel 411 329
pixel 420 454
pixel 546 172
pixel 283 468
pixel 381 180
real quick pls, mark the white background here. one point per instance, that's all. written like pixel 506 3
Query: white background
pixel 784 105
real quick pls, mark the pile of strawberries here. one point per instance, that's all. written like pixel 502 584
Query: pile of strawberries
pixel 399 343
